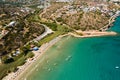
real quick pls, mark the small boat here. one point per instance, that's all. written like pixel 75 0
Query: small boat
pixel 117 67
pixel 68 58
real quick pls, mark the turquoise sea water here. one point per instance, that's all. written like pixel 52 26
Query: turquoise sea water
pixel 116 26
pixel 96 58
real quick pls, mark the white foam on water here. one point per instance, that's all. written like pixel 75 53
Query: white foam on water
pixel 117 67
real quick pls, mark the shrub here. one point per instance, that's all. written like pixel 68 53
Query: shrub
pixel 9 60
pixel 29 55
pixel 52 26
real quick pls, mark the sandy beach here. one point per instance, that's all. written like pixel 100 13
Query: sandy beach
pixel 22 69
pixel 92 33
pixel 38 54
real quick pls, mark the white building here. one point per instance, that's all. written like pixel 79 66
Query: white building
pixel 11 23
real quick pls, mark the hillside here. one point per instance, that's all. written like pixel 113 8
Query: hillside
pixel 82 16
pixel 17 27
pixel 86 21
pixel 19 35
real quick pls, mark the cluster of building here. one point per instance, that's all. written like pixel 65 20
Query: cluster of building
pixel 73 9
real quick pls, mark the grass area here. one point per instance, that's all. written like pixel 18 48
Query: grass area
pixel 34 17
pixel 56 27
pixel 52 26
pixel 33 6
pixel 11 67
pixel 58 30
pixel 50 37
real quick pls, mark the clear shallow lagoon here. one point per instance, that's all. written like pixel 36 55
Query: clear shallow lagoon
pixel 96 58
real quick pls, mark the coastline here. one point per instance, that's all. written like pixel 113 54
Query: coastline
pixel 38 54
pixel 110 22
pixel 22 69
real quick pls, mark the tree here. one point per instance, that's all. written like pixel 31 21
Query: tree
pixel 25 49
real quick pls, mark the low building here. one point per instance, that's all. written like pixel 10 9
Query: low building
pixel 11 23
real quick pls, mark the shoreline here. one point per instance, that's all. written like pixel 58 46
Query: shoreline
pixel 22 69
pixel 92 33
pixel 38 54
pixel 110 22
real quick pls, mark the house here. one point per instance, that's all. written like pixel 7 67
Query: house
pixel 17 52
pixel 86 9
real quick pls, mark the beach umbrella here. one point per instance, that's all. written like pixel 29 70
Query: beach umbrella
pixel 35 48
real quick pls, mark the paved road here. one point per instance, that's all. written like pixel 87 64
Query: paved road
pixel 47 31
